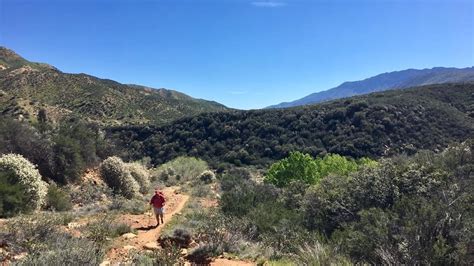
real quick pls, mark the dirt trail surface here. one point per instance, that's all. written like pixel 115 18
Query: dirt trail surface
pixel 147 233
pixel 228 262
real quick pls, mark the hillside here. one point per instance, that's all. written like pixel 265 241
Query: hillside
pixel 27 87
pixel 393 80
pixel 378 124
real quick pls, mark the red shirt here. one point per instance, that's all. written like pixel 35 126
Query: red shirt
pixel 158 200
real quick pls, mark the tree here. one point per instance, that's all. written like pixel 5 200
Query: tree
pixel 297 166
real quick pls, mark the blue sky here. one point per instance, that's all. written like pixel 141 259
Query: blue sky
pixel 244 54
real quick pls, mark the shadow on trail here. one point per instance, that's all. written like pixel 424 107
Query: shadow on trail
pixel 146 228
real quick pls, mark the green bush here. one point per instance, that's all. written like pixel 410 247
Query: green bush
pixel 183 169
pixel 297 166
pixel 133 206
pixel 63 249
pixel 104 228
pixel 18 172
pixel 14 200
pixel 303 167
pixel 30 233
pixel 319 254
pixel 406 210
pixel 89 193
pixel 118 177
pixel 170 255
pixel 57 199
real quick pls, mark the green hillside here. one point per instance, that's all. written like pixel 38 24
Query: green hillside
pixel 375 125
pixel 27 87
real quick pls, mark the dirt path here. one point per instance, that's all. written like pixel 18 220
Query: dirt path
pixel 228 262
pixel 147 234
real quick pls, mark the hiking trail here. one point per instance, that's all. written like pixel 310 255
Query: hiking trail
pixel 146 235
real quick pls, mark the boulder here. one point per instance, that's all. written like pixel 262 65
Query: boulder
pixel 105 263
pixel 129 235
pixel 151 246
pixel 128 248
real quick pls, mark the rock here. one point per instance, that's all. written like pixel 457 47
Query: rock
pixel 105 263
pixel 151 246
pixel 73 225
pixel 193 244
pixel 128 248
pixel 20 256
pixel 129 235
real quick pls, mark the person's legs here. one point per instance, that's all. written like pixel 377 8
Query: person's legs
pixel 161 214
pixel 161 217
pixel 157 216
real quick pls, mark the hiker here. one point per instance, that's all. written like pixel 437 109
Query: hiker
pixel 158 203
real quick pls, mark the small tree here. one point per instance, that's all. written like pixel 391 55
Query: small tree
pixel 21 185
pixel 117 176
pixel 297 166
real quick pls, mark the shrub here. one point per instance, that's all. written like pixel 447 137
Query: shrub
pixel 203 254
pixel 89 193
pixel 23 176
pixel 201 190
pixel 141 175
pixel 297 166
pixel 28 233
pixel 13 197
pixel 104 228
pixel 117 176
pixel 133 206
pixel 303 167
pixel 170 255
pixel 187 168
pixel 63 249
pixel 207 176
pixel 242 195
pixel 57 199
pixel 318 254
pixel 180 238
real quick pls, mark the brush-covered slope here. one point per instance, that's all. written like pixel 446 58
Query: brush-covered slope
pixel 393 80
pixel 378 124
pixel 26 87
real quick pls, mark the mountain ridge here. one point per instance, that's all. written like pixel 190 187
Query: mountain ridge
pixel 26 87
pixel 375 125
pixel 386 81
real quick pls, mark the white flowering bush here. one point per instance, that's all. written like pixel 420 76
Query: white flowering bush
pixel 18 172
pixel 207 176
pixel 141 175
pixel 118 177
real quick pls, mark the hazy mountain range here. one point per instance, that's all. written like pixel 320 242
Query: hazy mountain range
pixel 393 80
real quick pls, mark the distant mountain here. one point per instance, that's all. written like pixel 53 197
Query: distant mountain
pixel 27 87
pixel 393 80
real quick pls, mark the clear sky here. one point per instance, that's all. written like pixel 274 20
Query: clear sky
pixel 244 54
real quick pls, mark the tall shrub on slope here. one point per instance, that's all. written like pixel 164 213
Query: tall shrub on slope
pixel 141 175
pixel 118 177
pixel 21 185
